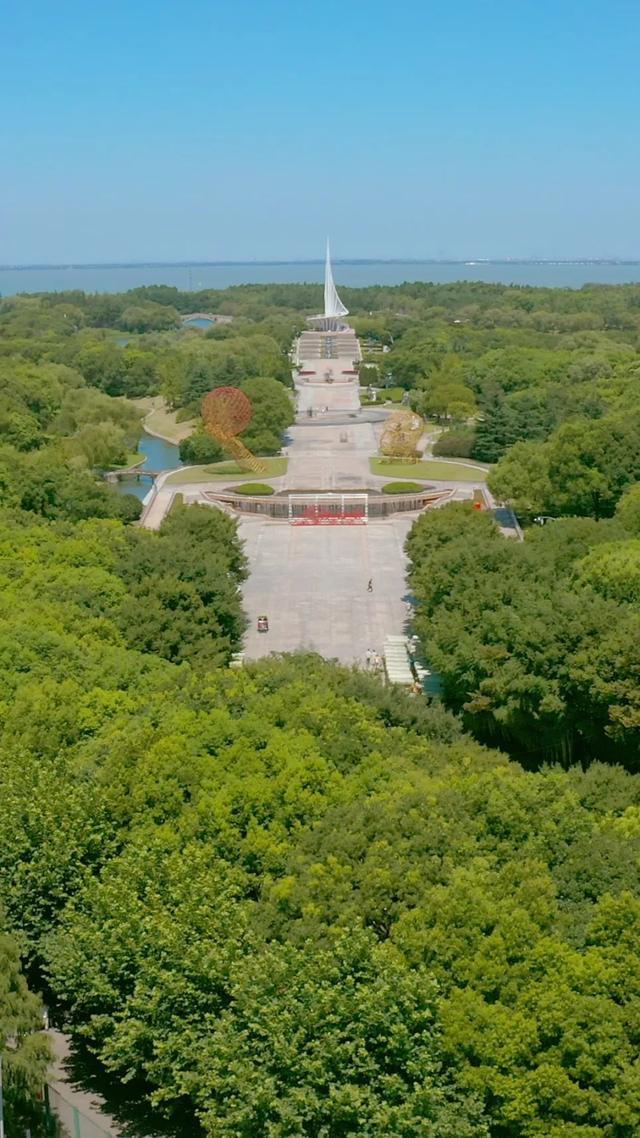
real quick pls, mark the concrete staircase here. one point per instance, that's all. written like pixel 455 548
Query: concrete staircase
pixel 327 346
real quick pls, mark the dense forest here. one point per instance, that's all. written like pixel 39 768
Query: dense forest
pixel 537 643
pixel 284 900
pixel 541 382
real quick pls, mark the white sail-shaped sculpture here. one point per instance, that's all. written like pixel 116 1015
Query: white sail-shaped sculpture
pixel 333 306
pixel 327 357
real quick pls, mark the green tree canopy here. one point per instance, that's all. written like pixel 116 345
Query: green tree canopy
pixel 528 657
pixel 272 413
pixel 583 469
pixel 628 509
pixel 24 1048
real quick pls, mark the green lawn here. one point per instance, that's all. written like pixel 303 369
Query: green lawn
pixel 227 471
pixel 429 469
pixel 162 421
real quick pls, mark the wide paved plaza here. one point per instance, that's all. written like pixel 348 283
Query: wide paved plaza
pixel 312 584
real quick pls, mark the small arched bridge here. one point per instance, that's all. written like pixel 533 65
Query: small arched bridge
pixel 198 316
pixel 211 317
pixel 132 474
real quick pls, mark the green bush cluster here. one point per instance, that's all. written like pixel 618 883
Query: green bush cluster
pixel 255 488
pixel 455 443
pixel 200 448
pixel 402 487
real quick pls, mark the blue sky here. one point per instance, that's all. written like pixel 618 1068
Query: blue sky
pixel 248 130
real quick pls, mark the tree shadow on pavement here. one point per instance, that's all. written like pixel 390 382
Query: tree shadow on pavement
pixel 128 1103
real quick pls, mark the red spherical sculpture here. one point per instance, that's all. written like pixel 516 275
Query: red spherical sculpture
pixel 226 411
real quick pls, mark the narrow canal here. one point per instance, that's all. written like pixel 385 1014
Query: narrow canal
pixel 159 455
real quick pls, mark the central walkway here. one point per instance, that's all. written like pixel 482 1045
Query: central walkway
pixel 329 457
pixel 311 581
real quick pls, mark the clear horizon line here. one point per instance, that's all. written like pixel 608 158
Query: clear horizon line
pixel 165 264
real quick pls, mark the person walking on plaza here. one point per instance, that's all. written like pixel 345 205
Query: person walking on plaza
pixel 370 585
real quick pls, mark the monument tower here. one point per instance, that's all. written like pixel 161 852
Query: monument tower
pixel 334 309
pixel 327 355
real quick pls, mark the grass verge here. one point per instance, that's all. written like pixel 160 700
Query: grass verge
pixel 176 501
pixel 429 469
pixel 224 470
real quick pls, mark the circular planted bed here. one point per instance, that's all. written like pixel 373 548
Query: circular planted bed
pixel 255 489
pixel 402 488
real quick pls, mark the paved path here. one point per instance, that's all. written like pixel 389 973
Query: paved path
pixel 95 1122
pixel 364 415
pixel 153 515
pixel 311 581
pixel 330 457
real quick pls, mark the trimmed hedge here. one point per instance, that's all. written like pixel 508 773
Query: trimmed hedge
pixel 255 488
pixel 401 487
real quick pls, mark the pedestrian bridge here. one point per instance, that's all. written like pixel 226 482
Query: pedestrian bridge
pixel 132 474
pixel 210 317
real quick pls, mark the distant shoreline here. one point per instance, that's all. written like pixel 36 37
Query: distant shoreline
pixel 470 261
pixel 198 276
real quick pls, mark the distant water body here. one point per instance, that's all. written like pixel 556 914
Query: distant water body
pixel 113 278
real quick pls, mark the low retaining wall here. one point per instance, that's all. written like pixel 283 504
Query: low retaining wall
pixel 378 505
